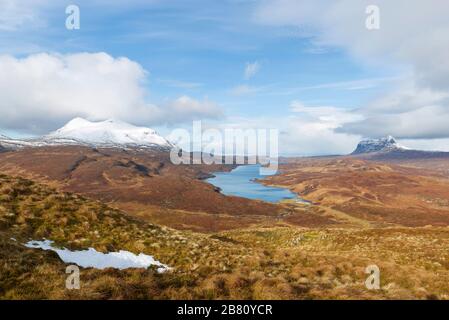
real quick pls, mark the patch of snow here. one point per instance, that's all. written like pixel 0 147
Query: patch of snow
pixel 93 258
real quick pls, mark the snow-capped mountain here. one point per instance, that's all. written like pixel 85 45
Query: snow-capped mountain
pixel 377 145
pixel 387 149
pixel 109 133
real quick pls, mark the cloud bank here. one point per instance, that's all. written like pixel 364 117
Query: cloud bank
pixel 411 35
pixel 40 92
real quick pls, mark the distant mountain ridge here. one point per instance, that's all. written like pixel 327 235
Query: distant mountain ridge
pixel 377 145
pixel 108 133
pixel 387 148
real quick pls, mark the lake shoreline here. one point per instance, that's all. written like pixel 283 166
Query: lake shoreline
pixel 246 181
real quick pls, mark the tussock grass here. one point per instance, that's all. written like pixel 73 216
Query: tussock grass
pixel 275 262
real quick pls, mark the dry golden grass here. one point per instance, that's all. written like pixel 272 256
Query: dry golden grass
pixel 269 261
pixel 377 194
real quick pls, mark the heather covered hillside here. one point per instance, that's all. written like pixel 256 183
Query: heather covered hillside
pixel 264 262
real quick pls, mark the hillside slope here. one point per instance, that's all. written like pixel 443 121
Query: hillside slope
pixel 146 184
pixel 265 262
pixel 380 193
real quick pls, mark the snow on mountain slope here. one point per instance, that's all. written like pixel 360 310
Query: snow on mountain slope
pixel 109 133
pixel 387 149
pixel 377 145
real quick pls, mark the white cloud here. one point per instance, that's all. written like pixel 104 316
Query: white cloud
pixel 426 144
pixel 311 130
pixel 332 116
pixel 244 89
pixel 409 112
pixel 303 136
pixel 314 137
pixel 306 131
pixel 412 35
pixel 42 91
pixel 180 84
pixel 15 14
pixel 251 69
pixel 28 14
pixel 187 109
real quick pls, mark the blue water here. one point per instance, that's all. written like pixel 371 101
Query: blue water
pixel 239 182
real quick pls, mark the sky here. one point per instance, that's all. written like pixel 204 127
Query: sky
pixel 311 69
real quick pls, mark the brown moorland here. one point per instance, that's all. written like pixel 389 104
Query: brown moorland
pixel 147 185
pixel 371 193
pixel 262 262
pixel 362 212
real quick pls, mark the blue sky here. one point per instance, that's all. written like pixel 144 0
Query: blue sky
pixel 200 49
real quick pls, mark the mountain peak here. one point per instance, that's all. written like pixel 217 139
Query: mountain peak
pixel 76 123
pixel 109 132
pixel 387 143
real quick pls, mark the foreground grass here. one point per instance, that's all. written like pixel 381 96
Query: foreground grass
pixel 275 262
